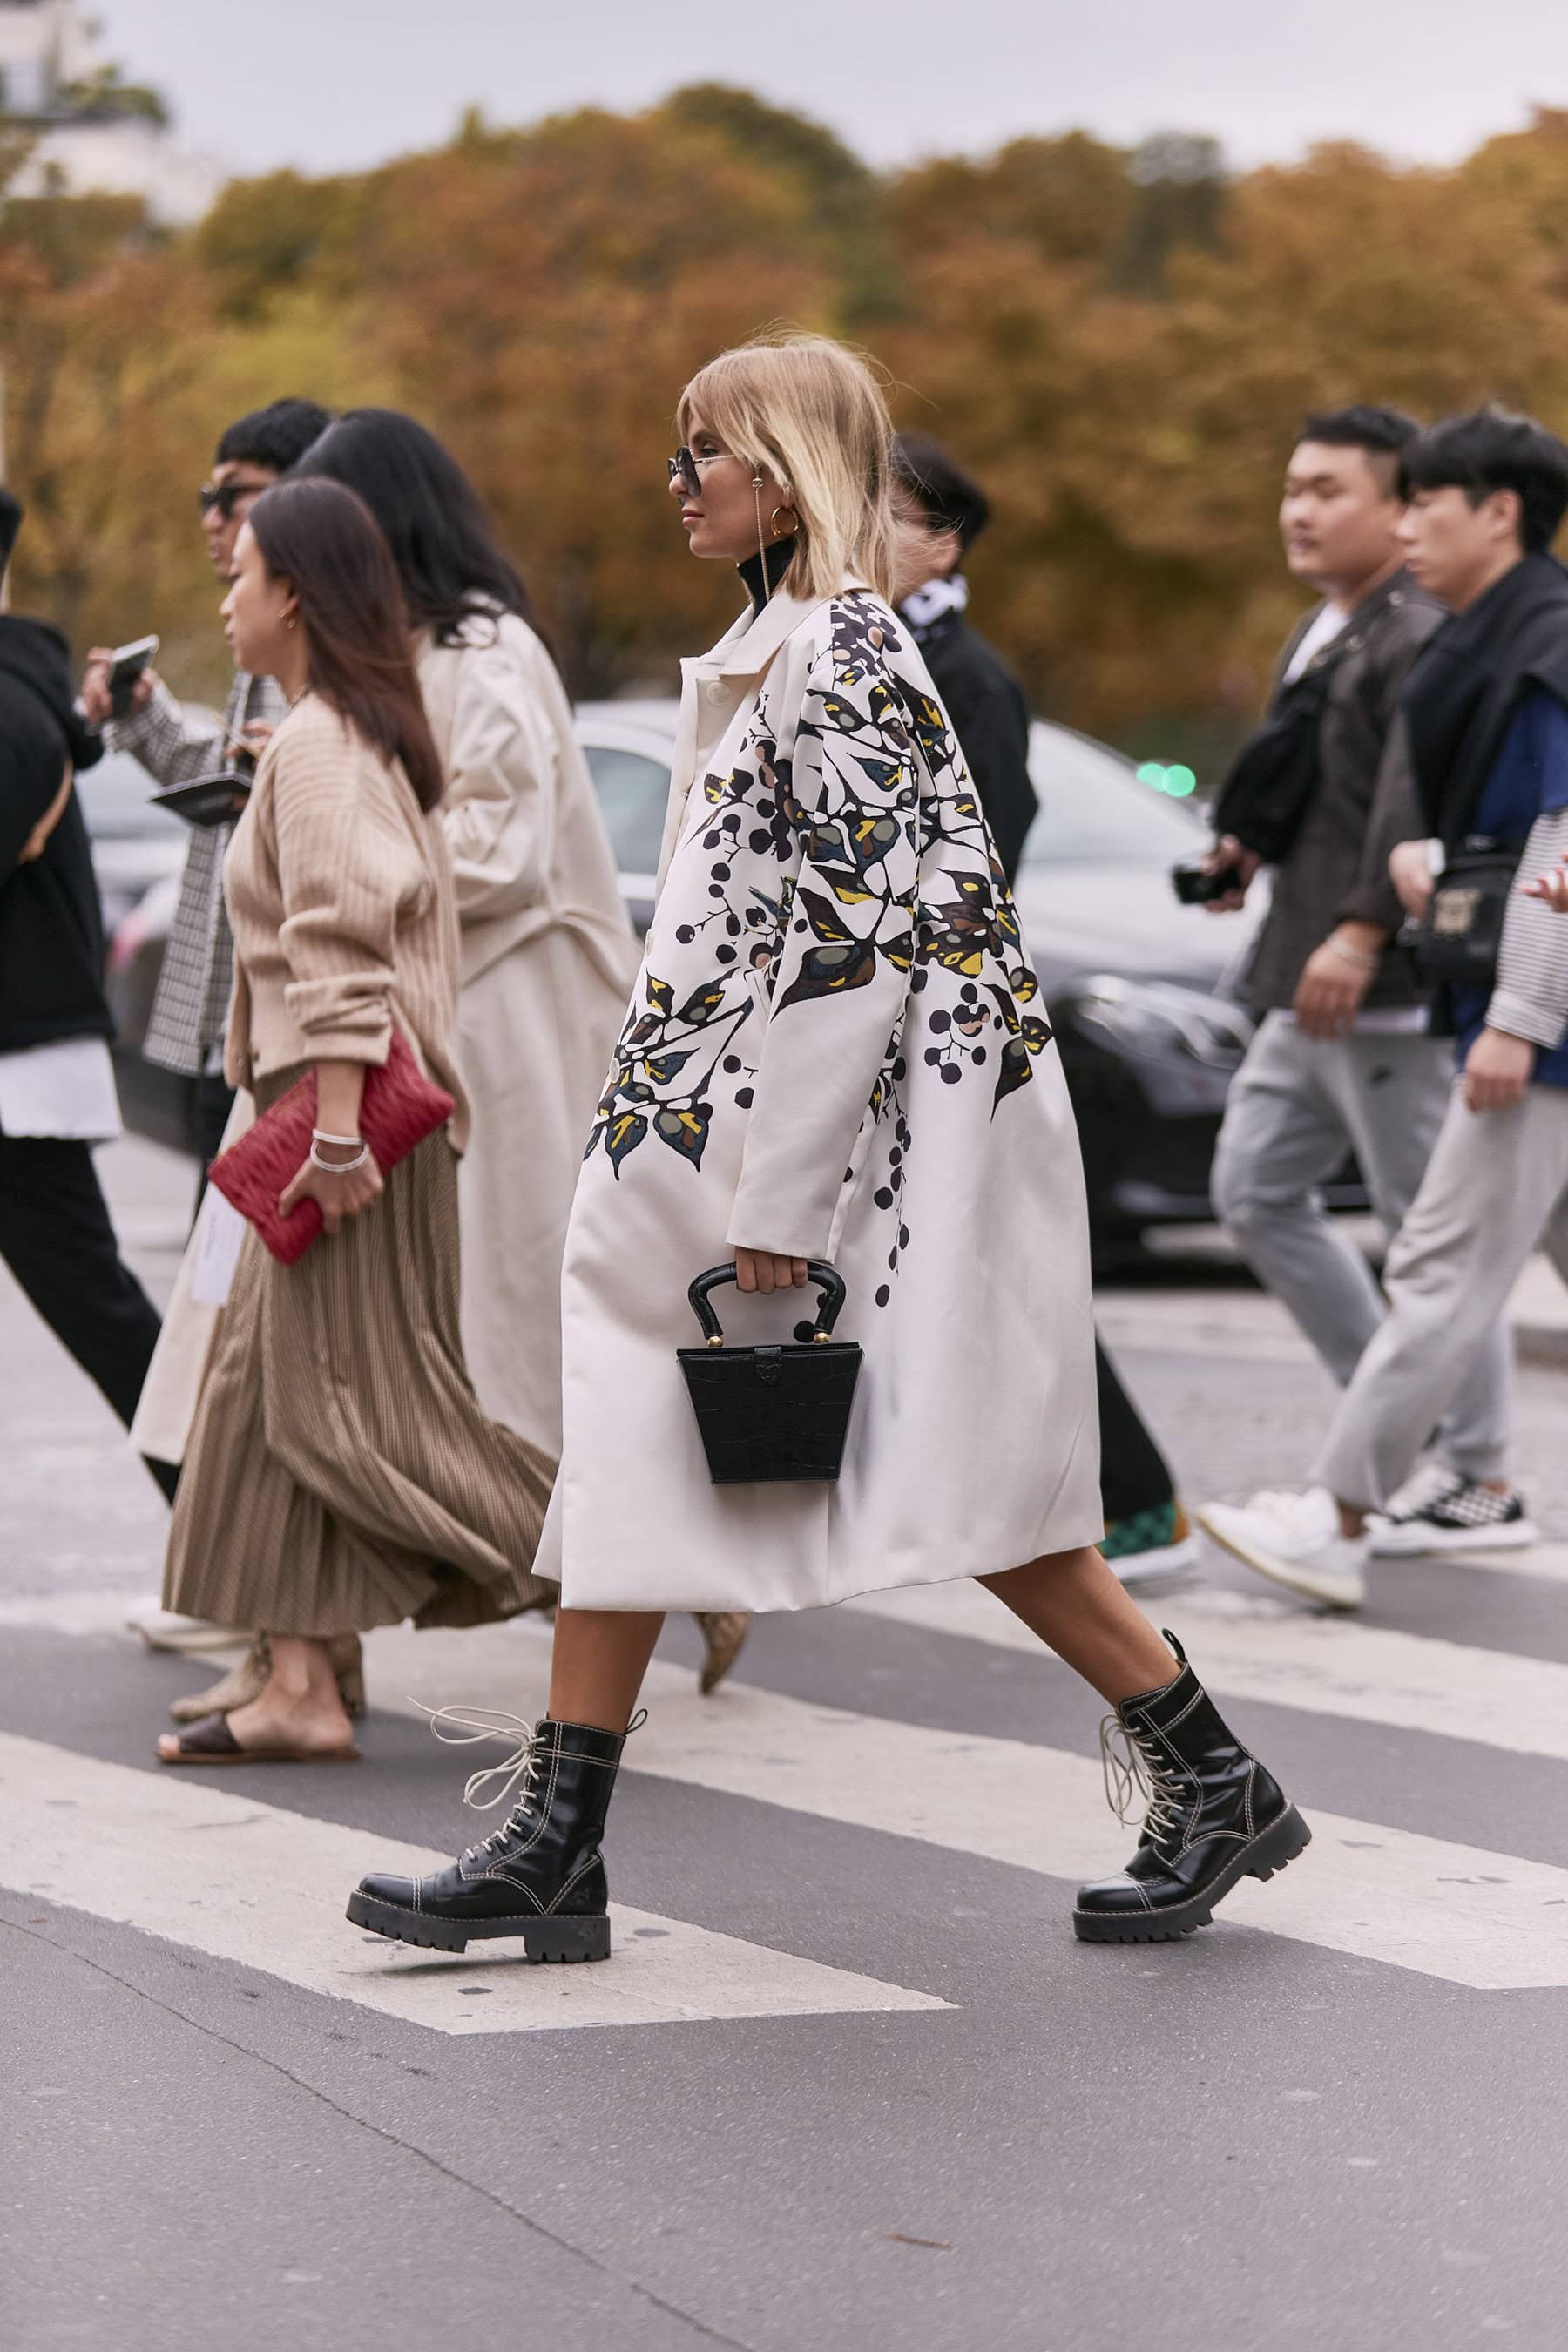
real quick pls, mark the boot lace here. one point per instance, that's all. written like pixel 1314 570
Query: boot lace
pixel 461 1727
pixel 1132 1771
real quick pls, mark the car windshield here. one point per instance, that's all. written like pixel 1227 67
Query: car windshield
pixel 114 801
pixel 1094 811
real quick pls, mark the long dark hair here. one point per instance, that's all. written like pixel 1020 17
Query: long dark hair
pixel 325 542
pixel 439 534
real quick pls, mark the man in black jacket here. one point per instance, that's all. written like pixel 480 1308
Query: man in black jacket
pixel 941 512
pixel 57 1087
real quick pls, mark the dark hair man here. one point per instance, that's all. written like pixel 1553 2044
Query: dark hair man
pixel 57 1085
pixel 185 1030
pixel 1487 714
pixel 1343 1061
pixel 940 511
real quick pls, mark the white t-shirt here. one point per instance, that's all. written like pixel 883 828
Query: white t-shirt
pixel 1326 626
pixel 65 1091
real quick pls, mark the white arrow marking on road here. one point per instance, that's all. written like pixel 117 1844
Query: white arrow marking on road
pixel 138 1847
pixel 1458 1912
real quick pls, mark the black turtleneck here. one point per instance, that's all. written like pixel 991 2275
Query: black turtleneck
pixel 777 563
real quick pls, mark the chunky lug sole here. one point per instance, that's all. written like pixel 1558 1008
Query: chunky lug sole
pixel 1269 1850
pixel 542 1938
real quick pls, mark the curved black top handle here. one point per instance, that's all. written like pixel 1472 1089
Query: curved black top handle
pixel 831 1284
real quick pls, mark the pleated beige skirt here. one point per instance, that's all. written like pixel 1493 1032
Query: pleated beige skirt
pixel 341 1473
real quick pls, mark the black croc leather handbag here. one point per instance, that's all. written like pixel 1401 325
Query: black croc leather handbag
pixel 772 1412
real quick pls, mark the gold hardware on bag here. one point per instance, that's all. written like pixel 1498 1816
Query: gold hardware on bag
pixel 818 1338
pixel 717 1340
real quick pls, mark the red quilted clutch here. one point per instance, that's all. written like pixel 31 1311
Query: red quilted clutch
pixel 400 1107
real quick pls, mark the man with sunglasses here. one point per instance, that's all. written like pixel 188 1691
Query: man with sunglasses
pixel 185 1030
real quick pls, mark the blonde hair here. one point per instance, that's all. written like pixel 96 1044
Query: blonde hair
pixel 812 413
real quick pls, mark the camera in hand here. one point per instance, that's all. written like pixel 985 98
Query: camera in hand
pixel 1195 887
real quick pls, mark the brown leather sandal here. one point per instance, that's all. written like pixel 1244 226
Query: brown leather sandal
pixel 212 1742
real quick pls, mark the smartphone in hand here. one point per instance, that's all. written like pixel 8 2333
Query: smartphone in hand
pixel 126 664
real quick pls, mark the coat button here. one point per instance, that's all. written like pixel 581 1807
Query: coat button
pixel 715 692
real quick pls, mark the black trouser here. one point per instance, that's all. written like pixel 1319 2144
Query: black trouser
pixel 1133 1474
pixel 56 1239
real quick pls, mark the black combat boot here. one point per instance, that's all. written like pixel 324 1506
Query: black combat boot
pixel 540 1876
pixel 1215 1816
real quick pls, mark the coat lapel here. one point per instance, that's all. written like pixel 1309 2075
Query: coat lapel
pixel 714 687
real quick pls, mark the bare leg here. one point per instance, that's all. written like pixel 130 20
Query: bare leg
pixel 599 1661
pixel 299 1705
pixel 1072 1599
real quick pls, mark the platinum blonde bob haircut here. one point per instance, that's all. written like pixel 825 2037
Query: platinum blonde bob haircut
pixel 809 412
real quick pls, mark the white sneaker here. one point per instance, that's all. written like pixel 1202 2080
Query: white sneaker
pixel 1294 1539
pixel 165 1628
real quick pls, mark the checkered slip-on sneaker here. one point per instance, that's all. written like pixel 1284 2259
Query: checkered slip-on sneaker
pixel 1466 1516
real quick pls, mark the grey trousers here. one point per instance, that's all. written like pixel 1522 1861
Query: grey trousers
pixel 1496 1188
pixel 1297 1106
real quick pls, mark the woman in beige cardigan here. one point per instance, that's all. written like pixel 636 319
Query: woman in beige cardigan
pixel 341 1472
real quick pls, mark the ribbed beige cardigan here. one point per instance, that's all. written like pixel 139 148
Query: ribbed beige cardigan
pixel 339 896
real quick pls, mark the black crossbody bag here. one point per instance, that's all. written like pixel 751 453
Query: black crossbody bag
pixel 1458 939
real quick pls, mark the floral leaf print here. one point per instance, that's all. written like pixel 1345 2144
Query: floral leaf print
pixel 700 1008
pixel 899 952
pixel 685 1131
pixel 661 995
pixel 830 971
pixel 661 1069
pixel 826 924
pixel 622 1137
pixel 1016 1070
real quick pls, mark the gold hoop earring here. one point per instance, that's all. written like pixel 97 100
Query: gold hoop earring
pixel 779 530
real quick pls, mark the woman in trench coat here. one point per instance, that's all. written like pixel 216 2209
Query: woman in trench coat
pixel 835 1050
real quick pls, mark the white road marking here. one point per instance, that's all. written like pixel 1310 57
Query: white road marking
pixel 1457 1912
pixel 269 1891
pixel 1246 1646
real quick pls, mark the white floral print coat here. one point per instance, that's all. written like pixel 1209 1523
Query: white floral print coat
pixel 834 1049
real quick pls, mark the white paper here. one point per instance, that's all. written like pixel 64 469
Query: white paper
pixel 220 1230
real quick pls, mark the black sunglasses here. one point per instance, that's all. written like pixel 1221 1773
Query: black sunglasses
pixel 227 496
pixel 683 469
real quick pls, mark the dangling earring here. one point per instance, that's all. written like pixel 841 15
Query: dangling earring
pixel 762 549
pixel 781 529
pixel 292 622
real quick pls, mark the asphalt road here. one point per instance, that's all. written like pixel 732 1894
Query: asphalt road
pixel 848 2081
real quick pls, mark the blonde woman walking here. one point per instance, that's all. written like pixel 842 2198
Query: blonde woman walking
pixel 834 1052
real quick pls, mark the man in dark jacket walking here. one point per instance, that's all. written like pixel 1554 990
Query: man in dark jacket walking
pixel 940 512
pixel 57 1086
pixel 1343 1061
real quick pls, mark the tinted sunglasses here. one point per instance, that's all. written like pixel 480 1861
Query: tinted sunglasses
pixel 226 496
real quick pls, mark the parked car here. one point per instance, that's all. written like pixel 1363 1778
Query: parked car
pixel 1132 982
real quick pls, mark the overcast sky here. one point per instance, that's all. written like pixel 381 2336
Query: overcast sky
pixel 335 84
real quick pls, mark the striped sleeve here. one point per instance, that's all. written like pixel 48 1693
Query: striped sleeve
pixel 1530 996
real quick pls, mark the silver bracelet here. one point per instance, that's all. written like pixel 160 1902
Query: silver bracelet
pixel 320 1135
pixel 1352 955
pixel 339 1166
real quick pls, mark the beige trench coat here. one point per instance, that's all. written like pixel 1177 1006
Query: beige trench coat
pixel 835 1049
pixel 548 956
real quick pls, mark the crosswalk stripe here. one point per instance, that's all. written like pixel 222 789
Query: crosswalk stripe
pixel 1246 1646
pixel 134 1847
pixel 1455 1912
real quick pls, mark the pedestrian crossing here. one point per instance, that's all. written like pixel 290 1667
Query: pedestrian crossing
pixel 269 1892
